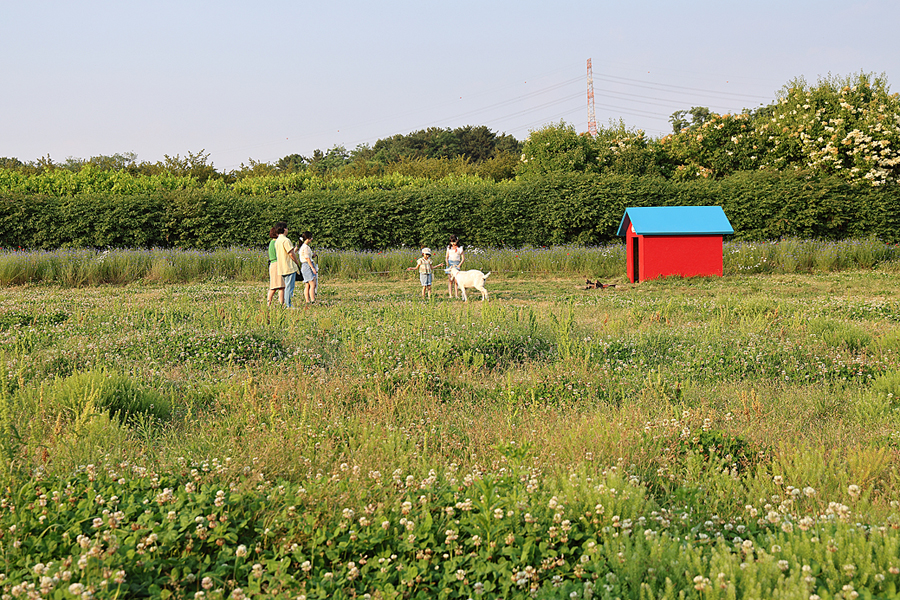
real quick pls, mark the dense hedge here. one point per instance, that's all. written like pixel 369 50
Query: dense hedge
pixel 555 209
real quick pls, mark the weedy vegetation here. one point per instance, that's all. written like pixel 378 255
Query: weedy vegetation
pixel 171 436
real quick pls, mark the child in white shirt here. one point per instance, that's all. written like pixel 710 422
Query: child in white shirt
pixel 426 271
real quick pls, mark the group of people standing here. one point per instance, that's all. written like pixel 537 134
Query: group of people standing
pixel 286 262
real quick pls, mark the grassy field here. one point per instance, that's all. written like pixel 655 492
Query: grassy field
pixel 733 437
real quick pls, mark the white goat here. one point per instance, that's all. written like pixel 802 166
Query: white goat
pixel 472 278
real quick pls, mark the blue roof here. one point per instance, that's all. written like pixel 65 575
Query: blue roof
pixel 675 220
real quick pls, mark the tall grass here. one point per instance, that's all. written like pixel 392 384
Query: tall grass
pixel 640 441
pixel 76 268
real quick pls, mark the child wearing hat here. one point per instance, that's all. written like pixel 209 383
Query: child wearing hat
pixel 426 271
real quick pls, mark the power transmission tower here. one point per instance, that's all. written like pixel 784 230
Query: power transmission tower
pixel 592 120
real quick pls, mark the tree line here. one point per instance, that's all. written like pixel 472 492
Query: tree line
pixel 843 127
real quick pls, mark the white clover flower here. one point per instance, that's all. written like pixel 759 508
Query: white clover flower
pixel 241 551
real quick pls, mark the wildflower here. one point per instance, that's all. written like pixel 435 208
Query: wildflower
pixel 460 574
pixel 778 479
pixel 853 490
pixel 206 583
pixel 241 551
pixel 306 567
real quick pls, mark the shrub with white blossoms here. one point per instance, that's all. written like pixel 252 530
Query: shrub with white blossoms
pixel 846 126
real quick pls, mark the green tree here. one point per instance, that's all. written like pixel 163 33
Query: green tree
pixel 557 148
pixel 195 164
pixel 10 163
pixel 292 163
pixel 255 169
pixel 699 116
pixel 330 162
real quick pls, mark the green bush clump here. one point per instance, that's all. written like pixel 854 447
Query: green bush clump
pixel 104 391
pixel 837 333
pixel 20 319
pixel 552 209
pixel 718 446
pixel 888 386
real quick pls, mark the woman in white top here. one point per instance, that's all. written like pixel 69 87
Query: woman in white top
pixel 308 269
pixel 454 258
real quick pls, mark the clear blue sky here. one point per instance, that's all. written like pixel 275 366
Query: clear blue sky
pixel 269 78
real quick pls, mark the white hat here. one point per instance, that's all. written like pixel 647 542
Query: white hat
pixel 426 251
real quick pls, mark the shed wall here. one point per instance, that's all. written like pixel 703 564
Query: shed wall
pixel 688 256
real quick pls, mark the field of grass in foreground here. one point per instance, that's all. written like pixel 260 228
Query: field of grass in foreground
pixel 705 438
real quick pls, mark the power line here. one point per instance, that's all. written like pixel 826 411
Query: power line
pixel 656 86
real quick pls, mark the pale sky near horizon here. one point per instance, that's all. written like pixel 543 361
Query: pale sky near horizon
pixel 261 80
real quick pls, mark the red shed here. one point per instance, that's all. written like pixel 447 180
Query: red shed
pixel 673 240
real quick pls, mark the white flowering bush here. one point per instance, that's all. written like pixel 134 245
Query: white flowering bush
pixel 847 126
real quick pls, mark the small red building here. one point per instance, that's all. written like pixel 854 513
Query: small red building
pixel 673 240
